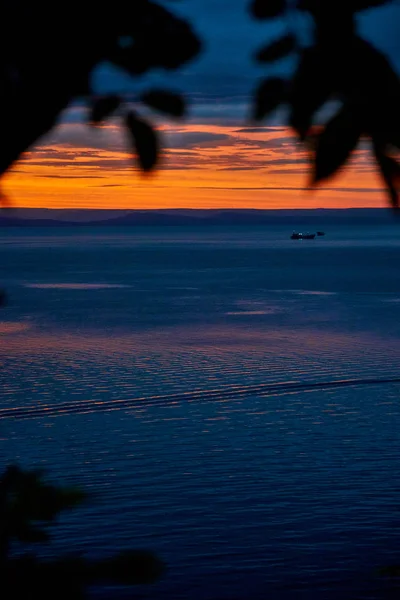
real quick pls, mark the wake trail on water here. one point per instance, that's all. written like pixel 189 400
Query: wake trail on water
pixel 230 392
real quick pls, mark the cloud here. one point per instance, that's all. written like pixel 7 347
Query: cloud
pixel 287 161
pixel 196 139
pixel 283 172
pixel 260 129
pixel 113 185
pixel 67 176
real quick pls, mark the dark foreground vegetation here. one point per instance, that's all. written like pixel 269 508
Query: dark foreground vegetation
pixel 37 85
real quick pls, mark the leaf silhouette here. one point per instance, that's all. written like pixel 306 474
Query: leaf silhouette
pixel 38 84
pixel 364 4
pixel 371 72
pixel 144 141
pixel 160 38
pixel 385 126
pixel 33 121
pixel 126 568
pixel 332 7
pixel 390 571
pixel 27 533
pixel 130 567
pixel 371 77
pixel 31 499
pixel 390 171
pixel 312 5
pixel 336 143
pixel 394 135
pixel 279 49
pixel 29 504
pixel 167 102
pixel 103 107
pixel 269 95
pixel 267 9
pixel 3 298
pixel 310 89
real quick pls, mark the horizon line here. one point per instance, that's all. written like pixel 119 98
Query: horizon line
pixel 10 209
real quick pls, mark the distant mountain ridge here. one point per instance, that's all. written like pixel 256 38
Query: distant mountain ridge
pixel 193 217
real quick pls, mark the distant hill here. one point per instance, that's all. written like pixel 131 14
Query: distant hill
pixel 316 218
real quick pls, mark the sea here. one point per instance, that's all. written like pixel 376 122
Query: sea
pixel 227 397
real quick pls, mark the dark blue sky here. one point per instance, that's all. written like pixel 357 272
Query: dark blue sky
pixel 225 75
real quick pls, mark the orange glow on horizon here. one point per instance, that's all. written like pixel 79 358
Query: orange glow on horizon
pixel 204 166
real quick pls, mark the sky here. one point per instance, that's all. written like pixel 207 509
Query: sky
pixel 214 158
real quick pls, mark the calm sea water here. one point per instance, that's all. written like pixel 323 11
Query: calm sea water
pixel 229 398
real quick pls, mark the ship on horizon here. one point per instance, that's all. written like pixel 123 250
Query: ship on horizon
pixel 296 235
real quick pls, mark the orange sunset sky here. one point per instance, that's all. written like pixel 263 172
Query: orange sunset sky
pixel 214 158
pixel 203 165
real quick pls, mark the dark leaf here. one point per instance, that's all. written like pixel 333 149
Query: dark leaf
pixel 69 497
pixel 160 40
pixel 32 123
pixel 368 71
pixel 390 571
pixel 144 140
pixel 135 59
pixel 390 170
pixel 167 102
pixel 310 5
pixel 29 499
pixel 277 50
pixel 3 298
pixel 41 502
pixel 103 107
pixel 132 567
pixel 336 143
pixel 385 125
pixel 393 136
pixel 29 534
pixel 267 9
pixel 10 478
pixel 310 89
pixel 127 568
pixel 370 78
pixel 269 95
pixel 46 580
pixel 72 567
pixel 364 4
pixel 316 6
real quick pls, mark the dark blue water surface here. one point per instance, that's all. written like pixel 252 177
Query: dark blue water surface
pixel 229 398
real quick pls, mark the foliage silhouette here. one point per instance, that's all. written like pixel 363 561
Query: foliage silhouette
pixel 103 107
pixel 339 66
pixel 37 84
pixel 28 506
pixel 278 49
pixel 144 140
pixel 269 95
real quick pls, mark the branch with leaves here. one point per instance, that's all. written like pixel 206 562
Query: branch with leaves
pixel 47 57
pixel 28 507
pixel 142 136
pixel 339 66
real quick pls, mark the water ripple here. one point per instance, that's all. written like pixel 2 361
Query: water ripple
pixel 232 392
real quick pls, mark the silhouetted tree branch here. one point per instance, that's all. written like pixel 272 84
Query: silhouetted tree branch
pixel 28 506
pixel 48 52
pixel 340 66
